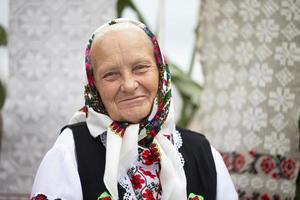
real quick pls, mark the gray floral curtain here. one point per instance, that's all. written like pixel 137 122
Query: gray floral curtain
pixel 250 53
pixel 46 60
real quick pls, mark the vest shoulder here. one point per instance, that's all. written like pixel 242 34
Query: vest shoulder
pixel 194 142
pixel 199 163
pixel 191 136
pixel 73 126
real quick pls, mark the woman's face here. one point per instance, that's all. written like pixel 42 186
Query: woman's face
pixel 125 73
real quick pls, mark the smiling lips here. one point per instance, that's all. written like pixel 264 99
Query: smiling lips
pixel 134 100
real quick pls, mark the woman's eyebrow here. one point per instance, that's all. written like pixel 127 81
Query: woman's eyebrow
pixel 141 61
pixel 108 69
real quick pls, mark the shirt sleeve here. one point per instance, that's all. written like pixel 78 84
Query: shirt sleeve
pixel 225 187
pixel 57 176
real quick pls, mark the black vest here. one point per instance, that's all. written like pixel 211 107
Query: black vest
pixel 199 165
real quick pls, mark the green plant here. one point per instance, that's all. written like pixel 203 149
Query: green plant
pixel 190 93
pixel 2 95
pixel 122 4
pixel 188 89
pixel 3 42
pixel 3 36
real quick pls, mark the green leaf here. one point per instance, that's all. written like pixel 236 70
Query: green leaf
pixel 2 95
pixel 186 86
pixel 122 4
pixel 3 36
pixel 199 197
pixel 190 92
pixel 104 195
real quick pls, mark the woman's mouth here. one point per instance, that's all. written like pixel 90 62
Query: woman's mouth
pixel 133 100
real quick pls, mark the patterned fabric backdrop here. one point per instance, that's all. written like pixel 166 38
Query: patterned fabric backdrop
pixel 250 51
pixel 46 51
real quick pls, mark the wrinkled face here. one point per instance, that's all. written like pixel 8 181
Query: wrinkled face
pixel 125 73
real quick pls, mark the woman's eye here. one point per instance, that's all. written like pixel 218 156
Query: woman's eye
pixel 111 76
pixel 141 68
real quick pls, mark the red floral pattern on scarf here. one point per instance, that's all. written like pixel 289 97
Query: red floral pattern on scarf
pixel 148 173
pixel 148 195
pixel 137 181
pixel 150 155
pixel 144 176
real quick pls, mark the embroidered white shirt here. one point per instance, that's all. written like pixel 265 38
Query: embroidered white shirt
pixel 57 176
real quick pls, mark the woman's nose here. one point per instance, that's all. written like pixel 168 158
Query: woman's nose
pixel 129 85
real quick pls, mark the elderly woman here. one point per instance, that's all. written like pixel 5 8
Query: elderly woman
pixel 123 144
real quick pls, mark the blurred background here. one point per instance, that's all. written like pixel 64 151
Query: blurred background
pixel 235 68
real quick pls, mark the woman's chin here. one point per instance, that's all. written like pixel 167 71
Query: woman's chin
pixel 135 119
pixel 134 115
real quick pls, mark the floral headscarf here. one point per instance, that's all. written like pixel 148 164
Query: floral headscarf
pixel 93 99
pixel 123 138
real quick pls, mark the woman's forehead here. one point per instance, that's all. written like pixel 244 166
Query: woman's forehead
pixel 119 28
pixel 132 43
pixel 124 38
pixel 114 27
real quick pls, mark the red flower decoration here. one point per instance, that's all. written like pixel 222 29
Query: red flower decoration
pixel 288 167
pixel 137 181
pixel 106 198
pixel 118 129
pixel 147 157
pixel 148 195
pixel 265 197
pixel 151 155
pixel 40 197
pixel 267 164
pixel 238 162
pixel 147 173
pixel 153 133
pixel 154 150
